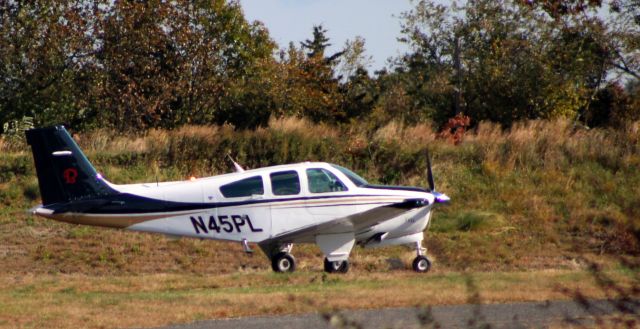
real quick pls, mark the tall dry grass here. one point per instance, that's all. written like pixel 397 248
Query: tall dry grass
pixel 303 127
pixel 420 135
pixel 554 144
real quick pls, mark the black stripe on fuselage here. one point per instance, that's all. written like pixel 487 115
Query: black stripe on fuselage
pixel 126 203
pixel 335 205
pixel 395 188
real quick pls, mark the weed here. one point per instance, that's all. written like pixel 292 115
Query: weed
pixel 78 231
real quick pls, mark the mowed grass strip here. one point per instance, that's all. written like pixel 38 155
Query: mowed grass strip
pixel 65 301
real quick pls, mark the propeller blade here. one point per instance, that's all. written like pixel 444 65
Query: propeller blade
pixel 432 185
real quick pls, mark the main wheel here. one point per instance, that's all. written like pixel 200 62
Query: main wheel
pixel 421 264
pixel 283 262
pixel 340 266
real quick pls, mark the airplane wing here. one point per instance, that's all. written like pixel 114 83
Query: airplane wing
pixel 349 224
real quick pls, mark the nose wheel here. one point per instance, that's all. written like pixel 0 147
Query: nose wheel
pixel 421 263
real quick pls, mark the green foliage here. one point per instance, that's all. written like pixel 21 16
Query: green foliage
pixel 318 44
pixel 12 166
pixel 135 66
pixel 469 221
pixel 42 47
pixel 509 62
pixel 127 65
pixel 14 136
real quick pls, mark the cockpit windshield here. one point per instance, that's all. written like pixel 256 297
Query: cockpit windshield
pixel 357 180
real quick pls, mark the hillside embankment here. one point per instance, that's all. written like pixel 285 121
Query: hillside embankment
pixel 544 210
pixel 539 195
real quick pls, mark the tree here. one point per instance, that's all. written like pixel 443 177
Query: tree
pixel 132 65
pixel 316 76
pixel 318 44
pixel 235 67
pixel 515 60
pixel 45 50
pixel 624 35
pixel 167 64
pixel 354 60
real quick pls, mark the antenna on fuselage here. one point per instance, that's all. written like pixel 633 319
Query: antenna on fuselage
pixel 235 164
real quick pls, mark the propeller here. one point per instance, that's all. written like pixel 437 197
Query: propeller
pixel 439 197
pixel 432 185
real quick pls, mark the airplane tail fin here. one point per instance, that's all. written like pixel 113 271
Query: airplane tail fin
pixel 64 173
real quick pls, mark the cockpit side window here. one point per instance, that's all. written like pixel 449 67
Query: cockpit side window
pixel 353 177
pixel 285 183
pixel 243 188
pixel 323 181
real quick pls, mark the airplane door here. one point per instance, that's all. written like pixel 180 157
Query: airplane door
pixel 241 213
pixel 322 183
pixel 287 204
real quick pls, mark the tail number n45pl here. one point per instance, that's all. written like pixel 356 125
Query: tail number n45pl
pixel 224 223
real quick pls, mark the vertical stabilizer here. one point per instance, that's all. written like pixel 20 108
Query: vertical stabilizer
pixel 64 173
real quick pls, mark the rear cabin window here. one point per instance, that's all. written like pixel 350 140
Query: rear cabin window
pixel 243 188
pixel 285 183
pixel 323 181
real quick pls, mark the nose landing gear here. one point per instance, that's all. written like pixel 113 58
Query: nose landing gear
pixel 421 263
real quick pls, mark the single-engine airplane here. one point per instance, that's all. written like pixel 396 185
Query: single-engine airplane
pixel 275 207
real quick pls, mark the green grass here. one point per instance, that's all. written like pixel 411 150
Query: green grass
pixel 73 300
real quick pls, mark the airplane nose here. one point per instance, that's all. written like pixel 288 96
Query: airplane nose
pixel 441 198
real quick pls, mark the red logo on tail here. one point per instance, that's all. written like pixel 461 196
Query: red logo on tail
pixel 70 175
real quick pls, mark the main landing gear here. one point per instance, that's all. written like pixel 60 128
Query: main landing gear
pixel 283 261
pixel 421 263
pixel 338 266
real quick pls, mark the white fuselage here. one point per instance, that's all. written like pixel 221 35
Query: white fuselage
pixel 261 216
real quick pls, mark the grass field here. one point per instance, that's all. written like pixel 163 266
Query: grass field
pixel 72 301
pixel 534 209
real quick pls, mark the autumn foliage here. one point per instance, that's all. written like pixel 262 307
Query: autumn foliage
pixel 135 66
pixel 455 128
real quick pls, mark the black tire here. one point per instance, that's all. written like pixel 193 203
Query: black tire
pixel 421 264
pixel 341 266
pixel 283 262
